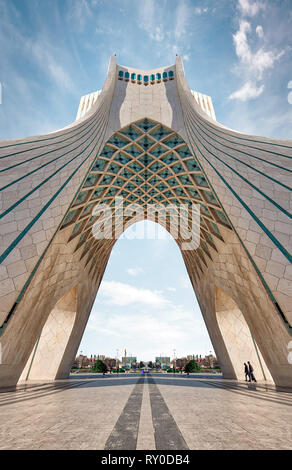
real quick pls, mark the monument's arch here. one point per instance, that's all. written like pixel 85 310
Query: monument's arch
pixel 144 148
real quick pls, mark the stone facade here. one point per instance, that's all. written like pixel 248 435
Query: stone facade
pixel 145 138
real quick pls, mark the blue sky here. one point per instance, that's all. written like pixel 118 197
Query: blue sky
pixel 237 51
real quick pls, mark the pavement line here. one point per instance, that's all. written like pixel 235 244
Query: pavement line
pixel 146 439
pixel 166 432
pixel 125 433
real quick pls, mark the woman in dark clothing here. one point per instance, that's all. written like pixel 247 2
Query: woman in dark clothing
pixel 251 375
pixel 246 372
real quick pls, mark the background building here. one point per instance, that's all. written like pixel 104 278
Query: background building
pixel 163 361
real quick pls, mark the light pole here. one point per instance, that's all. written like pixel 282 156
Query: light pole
pixel 117 360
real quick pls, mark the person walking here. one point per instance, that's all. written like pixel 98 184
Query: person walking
pixel 251 374
pixel 246 372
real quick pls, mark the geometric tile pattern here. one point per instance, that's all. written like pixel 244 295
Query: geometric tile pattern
pixel 146 163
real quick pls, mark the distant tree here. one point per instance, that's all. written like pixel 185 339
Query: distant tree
pixel 141 364
pixel 99 366
pixel 192 366
pixel 150 365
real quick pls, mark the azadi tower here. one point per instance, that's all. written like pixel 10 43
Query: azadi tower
pixel 150 140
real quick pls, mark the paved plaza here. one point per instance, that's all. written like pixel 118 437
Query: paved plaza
pixel 154 411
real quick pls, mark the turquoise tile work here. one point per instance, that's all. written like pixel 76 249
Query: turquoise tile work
pixel 99 165
pixel 170 158
pixel 146 163
pixel 118 141
pixel 184 152
pixel 158 150
pixel 131 133
pixel 146 142
pixel 107 152
pixel 133 150
pixel 160 133
pixel 145 125
pixel 173 141
pixel 122 158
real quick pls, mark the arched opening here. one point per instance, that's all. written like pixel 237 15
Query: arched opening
pixel 146 303
pixel 238 339
pixel 47 354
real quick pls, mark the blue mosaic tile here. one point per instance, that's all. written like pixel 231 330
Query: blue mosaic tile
pixel 106 180
pixel 185 180
pixel 192 165
pixel 180 192
pixel 126 173
pixel 146 159
pixel 112 192
pixel 91 180
pixel 173 141
pixel 194 193
pixel 135 166
pixel 146 143
pixel 160 133
pixel 170 158
pixel 133 150
pixel 119 182
pixel 130 132
pixel 165 173
pixel 145 125
pixel 156 166
pixel 178 168
pixel 99 165
pixel 200 180
pixel 113 168
pixel 210 197
pixel 158 151
pixel 107 152
pixel 97 193
pixel 81 197
pixel 137 180
pixel 118 141
pixel 184 151
pixel 122 158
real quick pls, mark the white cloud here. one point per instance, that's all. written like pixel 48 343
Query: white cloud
pixel 171 289
pixel 182 18
pixel 158 34
pixel 252 65
pixel 260 31
pixel 149 20
pixel 151 332
pixel 240 41
pixel 135 271
pixel 247 92
pixel 118 293
pixel 79 11
pixel 250 8
pixel 200 11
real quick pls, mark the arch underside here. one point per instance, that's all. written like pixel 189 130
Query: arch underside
pixel 158 178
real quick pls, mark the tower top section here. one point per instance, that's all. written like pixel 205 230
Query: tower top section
pixel 155 80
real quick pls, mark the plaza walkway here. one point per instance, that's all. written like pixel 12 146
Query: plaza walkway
pixel 155 411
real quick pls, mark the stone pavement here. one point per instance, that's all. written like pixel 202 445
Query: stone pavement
pixel 156 411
